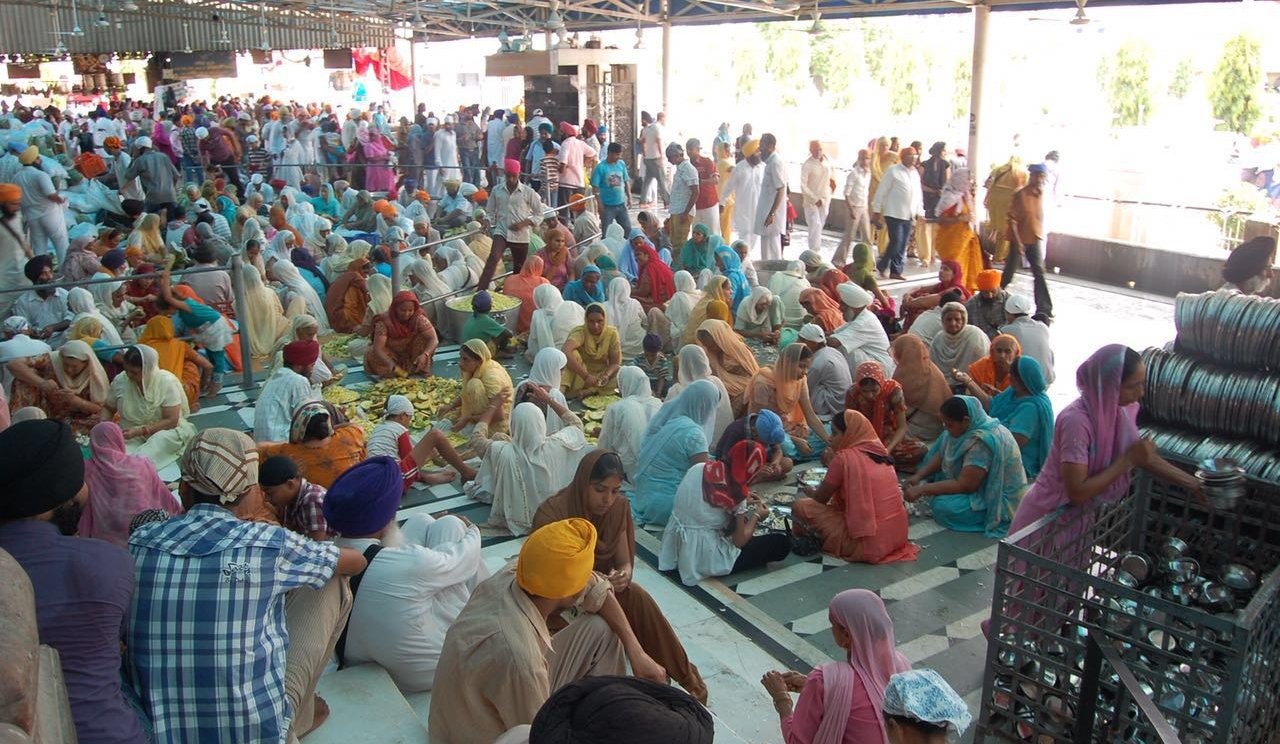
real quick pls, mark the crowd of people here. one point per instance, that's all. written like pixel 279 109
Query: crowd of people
pixel 282 549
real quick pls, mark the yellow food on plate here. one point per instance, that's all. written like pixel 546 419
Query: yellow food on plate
pixel 336 346
pixel 501 303
pixel 600 401
pixel 339 395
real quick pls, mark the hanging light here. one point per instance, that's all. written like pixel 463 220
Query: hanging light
pixel 103 21
pixel 129 5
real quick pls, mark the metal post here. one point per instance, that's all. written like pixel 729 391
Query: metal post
pixel 981 17
pixel 666 55
pixel 237 289
pixel 395 267
pixel 413 69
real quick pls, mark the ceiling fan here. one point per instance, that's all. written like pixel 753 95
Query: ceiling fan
pixel 1080 19
pixel 816 27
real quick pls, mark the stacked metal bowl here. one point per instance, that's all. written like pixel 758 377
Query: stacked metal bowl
pixel 1223 481
pixel 1233 328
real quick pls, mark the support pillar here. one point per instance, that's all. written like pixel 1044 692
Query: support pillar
pixel 981 17
pixel 666 55
pixel 413 70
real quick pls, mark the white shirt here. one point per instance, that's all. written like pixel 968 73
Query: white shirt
pixel 1033 337
pixel 927 325
pixel 857 187
pixel 863 340
pixel 280 397
pixel 37 187
pixel 507 208
pixel 775 177
pixel 684 187
pixel 129 188
pixel 42 313
pixel 815 181
pixel 572 153
pixel 899 194
pixel 410 595
pixel 12 257
pixel 651 141
pixel 694 540
pixel 385 439
pixel 744 187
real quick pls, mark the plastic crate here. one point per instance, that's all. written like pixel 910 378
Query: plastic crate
pixel 1214 677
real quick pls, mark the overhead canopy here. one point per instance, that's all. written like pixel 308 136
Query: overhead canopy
pixel 37 26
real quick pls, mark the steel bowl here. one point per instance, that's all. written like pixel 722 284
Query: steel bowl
pixel 1184 594
pixel 1173 548
pixel 1239 578
pixel 1217 597
pixel 1182 570
pixel 1125 579
pixel 1138 565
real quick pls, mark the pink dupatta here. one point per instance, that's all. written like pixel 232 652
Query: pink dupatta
pixel 871 657
pixel 120 487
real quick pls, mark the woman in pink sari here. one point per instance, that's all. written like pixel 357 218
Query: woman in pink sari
pixel 161 141
pixel 841 702
pixel 379 176
pixel 120 487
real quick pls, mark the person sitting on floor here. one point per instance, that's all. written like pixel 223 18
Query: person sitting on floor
pixel 713 522
pixel 921 708
pixel 655 365
pixel 481 325
pixel 120 487
pixel 843 700
pixel 784 389
pixel 152 408
pixel 766 428
pixel 677 438
pixel 297 504
pixel 594 352
pixel 404 341
pixel 595 494
pixel 419 577
pixel 219 591
pixel 83 587
pixel 391 439
pixel 1032 335
pixel 287 389
pixel 483 381
pixel 882 402
pixel 857 510
pixel 929 323
pixel 986 306
pixel 499 655
pixel 619 710
pixel 321 442
pixel 973 471
pixel 1025 410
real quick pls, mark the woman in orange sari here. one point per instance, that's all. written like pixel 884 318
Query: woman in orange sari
pixel 176 357
pixel 521 286
pixel 882 402
pixel 956 239
pixel 831 279
pixel 347 300
pixel 857 510
pixel 991 374
pixel 825 311
pixel 278 223
pixel 404 341
pixel 784 389
pixel 731 360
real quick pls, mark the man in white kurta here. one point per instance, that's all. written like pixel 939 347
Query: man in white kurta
pixel 815 192
pixel 743 187
pixel 771 208
pixel 287 389
pixel 862 339
pixel 446 147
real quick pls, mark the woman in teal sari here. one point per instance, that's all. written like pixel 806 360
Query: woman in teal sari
pixel 326 205
pixel 676 439
pixel 973 472
pixel 698 252
pixel 730 265
pixel 1025 411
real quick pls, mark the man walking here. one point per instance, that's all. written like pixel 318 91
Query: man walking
pixel 707 202
pixel 857 188
pixel 613 197
pixel 899 200
pixel 41 206
pixel 743 187
pixel 651 150
pixel 684 194
pixel 514 209
pixel 816 186
pixel 771 210
pixel 1024 229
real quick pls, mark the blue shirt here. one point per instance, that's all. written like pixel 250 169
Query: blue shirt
pixel 611 180
pixel 82 590
pixel 207 635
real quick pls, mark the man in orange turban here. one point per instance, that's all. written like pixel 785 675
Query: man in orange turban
pixel 986 306
pixel 501 660
pixel 14 250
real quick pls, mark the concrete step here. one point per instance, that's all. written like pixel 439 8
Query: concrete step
pixel 366 706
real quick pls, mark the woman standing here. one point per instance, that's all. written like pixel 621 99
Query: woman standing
pixel 713 521
pixel 857 510
pixel 843 701
pixel 956 240
pixel 978 467
pixel 675 440
pixel 594 350
pixel 595 494
pixel 1096 444
pixel 404 341
pixel 958 345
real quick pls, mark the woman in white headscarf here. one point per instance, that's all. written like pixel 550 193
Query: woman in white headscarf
pixel 548 367
pixel 80 301
pixel 474 265
pixel 787 285
pixel 426 284
pixel 295 286
pixel 336 263
pixel 553 319
pixel 380 295
pixel 625 420
pixel 452 268
pixel 958 345
pixel 615 239
pixel 627 315
pixel 152 407
pixel 109 298
pixel 519 472
pixel 693 365
pixel 264 319
pixel 681 304
pixel 316 237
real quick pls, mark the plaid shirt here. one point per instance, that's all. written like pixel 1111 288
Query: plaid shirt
pixel 190 144
pixel 306 514
pixel 207 634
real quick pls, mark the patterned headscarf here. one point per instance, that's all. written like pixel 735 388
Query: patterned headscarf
pixel 220 462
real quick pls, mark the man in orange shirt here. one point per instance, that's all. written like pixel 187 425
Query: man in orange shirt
pixel 1024 229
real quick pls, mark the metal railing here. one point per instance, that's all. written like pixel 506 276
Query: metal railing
pixel 237 288
pixel 1099 649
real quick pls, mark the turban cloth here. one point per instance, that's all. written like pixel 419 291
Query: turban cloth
pixel 557 559
pixel 364 499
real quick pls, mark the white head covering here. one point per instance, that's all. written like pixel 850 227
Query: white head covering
pixel 681 303
pixel 548 365
pixel 80 301
pixel 626 420
pixel 853 296
pixel 530 468
pixel 287 274
pixel 813 332
pixel 625 314
pixel 697 402
pixel 1018 305
pixel 747 309
pixel 694 365
pixel 398 405
pixel 91 383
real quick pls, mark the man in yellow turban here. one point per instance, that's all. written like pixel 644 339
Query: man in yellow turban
pixel 500 659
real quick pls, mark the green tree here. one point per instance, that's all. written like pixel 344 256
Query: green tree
pixel 1126 80
pixel 831 64
pixel 902 78
pixel 1180 85
pixel 784 53
pixel 1234 90
pixel 963 89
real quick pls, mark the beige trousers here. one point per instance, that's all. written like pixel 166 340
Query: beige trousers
pixel 587 647
pixel 315 619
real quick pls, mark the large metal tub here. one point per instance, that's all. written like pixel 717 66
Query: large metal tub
pixel 766 268
pixel 450 320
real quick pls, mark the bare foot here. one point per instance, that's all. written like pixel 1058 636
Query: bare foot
pixel 321 715
pixel 469 475
pixel 437 478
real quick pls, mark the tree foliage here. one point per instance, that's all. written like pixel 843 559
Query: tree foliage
pixel 1236 85
pixel 1126 81
pixel 963 89
pixel 1180 85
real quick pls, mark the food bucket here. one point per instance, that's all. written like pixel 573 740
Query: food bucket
pixel 452 314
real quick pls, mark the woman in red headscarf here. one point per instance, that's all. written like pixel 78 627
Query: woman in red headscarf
pixel 141 290
pixel 404 341
pixel 521 286
pixel 950 277
pixel 857 510
pixel 832 278
pixel 655 282
pixel 882 402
